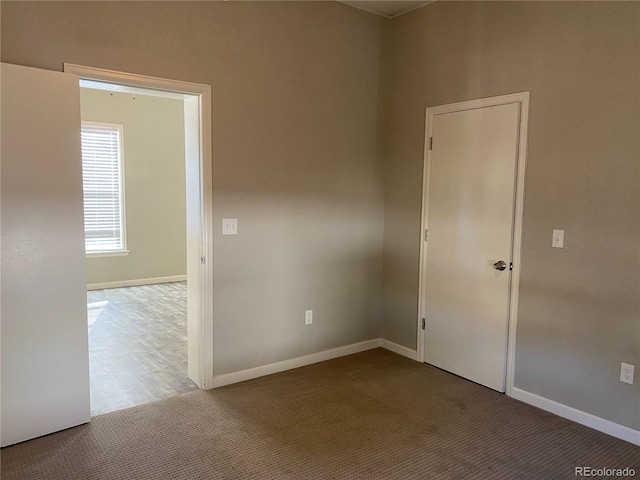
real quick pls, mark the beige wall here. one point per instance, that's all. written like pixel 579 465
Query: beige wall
pixel 294 100
pixel 579 314
pixel 155 197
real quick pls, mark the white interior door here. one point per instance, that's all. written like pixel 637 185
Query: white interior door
pixel 470 228
pixel 45 359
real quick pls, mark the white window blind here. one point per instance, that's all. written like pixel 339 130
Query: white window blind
pixel 102 185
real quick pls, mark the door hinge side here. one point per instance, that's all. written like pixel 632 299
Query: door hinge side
pixel 424 323
pixel 430 143
pixel 202 259
pixel 426 234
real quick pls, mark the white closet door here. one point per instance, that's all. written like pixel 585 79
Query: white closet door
pixel 470 221
pixel 45 359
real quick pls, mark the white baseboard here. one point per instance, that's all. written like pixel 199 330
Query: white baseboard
pixel 578 416
pixel 136 282
pixel 261 371
pixel 399 349
pixel 248 374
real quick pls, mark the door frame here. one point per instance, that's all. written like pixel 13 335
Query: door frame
pixel 200 347
pixel 522 99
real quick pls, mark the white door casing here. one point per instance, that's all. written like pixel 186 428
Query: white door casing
pixel 472 210
pixel 197 109
pixel 45 357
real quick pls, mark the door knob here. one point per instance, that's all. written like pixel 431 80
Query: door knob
pixel 500 265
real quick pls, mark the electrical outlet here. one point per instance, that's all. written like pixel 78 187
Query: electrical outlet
pixel 558 239
pixel 308 317
pixel 626 373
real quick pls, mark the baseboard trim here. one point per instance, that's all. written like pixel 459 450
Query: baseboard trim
pixel 597 423
pixel 136 282
pixel 399 349
pixel 261 371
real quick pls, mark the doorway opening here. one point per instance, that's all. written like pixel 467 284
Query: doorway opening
pixel 147 183
pixel 470 249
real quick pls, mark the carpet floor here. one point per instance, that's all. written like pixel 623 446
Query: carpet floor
pixel 373 415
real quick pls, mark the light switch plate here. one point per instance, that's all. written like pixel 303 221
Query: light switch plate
pixel 558 239
pixel 229 226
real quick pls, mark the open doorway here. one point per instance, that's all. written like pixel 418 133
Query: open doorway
pixel 147 231
pixel 134 184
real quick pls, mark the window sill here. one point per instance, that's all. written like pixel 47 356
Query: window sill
pixel 112 253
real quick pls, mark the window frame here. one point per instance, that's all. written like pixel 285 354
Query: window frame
pixel 123 210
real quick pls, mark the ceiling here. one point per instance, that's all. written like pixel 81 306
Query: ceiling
pixel 388 8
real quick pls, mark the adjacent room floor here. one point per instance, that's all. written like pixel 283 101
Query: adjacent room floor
pixel 373 415
pixel 137 345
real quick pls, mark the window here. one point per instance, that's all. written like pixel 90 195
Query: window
pixel 102 183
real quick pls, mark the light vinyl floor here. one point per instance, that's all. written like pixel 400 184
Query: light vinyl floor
pixel 137 345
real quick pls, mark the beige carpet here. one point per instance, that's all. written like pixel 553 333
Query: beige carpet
pixel 366 416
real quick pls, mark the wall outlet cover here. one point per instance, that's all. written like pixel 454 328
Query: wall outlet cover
pixel 558 239
pixel 626 373
pixel 308 317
